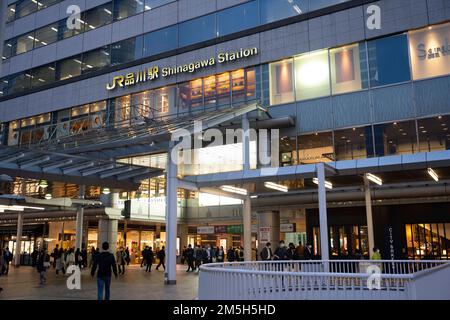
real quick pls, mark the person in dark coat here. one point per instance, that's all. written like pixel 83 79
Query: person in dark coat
pixel 290 254
pixel 149 256
pixel 308 252
pixel 266 253
pixel 162 258
pixel 280 252
pixel 43 262
pixel 230 255
pixel 127 256
pixel 105 262
pixel 190 258
pixel 34 256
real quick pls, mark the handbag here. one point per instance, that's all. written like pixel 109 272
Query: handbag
pixel 46 264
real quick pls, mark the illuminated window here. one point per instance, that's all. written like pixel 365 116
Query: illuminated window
pixel 165 99
pixel 316 147
pixel 191 94
pixel 223 89
pixel 312 75
pixel 238 85
pixel 395 138
pixel 210 91
pixel 281 82
pixel 353 143
pixel 434 133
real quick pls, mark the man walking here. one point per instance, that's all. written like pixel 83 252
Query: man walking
pixel 266 253
pixel 190 258
pixel 105 262
pixel 161 257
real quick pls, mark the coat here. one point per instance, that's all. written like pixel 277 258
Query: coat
pixel 266 254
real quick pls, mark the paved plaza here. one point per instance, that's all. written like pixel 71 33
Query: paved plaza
pixel 23 283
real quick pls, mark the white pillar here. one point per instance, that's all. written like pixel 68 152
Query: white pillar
pixel 171 217
pixel 80 218
pixel 18 239
pixel 245 143
pixel 247 216
pixel 323 223
pixel 369 216
pixel 268 229
pixel 107 232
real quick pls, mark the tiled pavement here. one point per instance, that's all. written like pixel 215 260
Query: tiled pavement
pixel 23 283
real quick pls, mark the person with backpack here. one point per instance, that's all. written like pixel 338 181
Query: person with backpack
pixel 105 263
pixel 161 258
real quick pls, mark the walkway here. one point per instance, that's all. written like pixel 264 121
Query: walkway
pixel 23 283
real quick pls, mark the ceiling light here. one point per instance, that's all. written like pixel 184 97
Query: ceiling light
pixel 374 179
pixel 433 174
pixel 106 191
pixel 234 190
pixel 328 184
pixel 48 196
pixel 43 184
pixel 274 186
pixel 254 197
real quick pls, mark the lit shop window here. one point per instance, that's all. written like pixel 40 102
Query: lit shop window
pixel 122 111
pixel 210 200
pixel 346 69
pixel 210 91
pixel 165 99
pixel 238 85
pixel 191 94
pixel 312 75
pixel 223 89
pixel 430 51
pixel 354 143
pixel 281 82
pixel 395 138
pixel 288 151
pixel 316 147
pixel 388 60
pixel 434 133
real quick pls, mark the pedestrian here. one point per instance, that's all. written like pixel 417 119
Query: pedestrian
pixel 183 255
pixel 266 253
pixel 376 254
pixel 162 258
pixel 70 259
pixel 2 264
pixel 143 254
pixel 61 260
pixel 230 254
pixel 308 254
pixel 127 256
pixel 78 258
pixel 120 259
pixel 7 258
pixel 43 263
pixel 190 258
pixel 280 252
pixel 34 256
pixel 106 263
pixel 149 256
pixel 207 257
pixel 198 257
pixel 300 251
pixel 290 254
pixel 220 254
pixel 55 256
pixel 57 259
pixel 84 258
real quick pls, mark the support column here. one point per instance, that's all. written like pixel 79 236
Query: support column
pixel 18 239
pixel 245 143
pixel 107 231
pixel 268 229
pixel 369 216
pixel 80 219
pixel 171 217
pixel 323 223
pixel 247 216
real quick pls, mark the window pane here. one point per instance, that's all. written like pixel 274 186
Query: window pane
pixel 4 86
pixel 197 30
pixel 126 50
pixel 42 4
pixel 238 85
pixel 96 59
pixel 223 89
pixel 312 75
pixel 165 99
pixel 237 18
pixel 160 41
pixel 19 83
pixel 388 60
pixel 314 148
pixel 191 94
pixel 151 4
pixel 68 68
pixel 65 32
pixel 426 61
pixel 434 133
pixel 210 91
pixel 346 65
pixel 46 35
pixel 318 4
pixel 281 82
pixel 273 10
pixel 395 138
pixel 127 8
pixel 24 43
pixel 8 48
pixel 98 17
pixel 25 7
pixel 355 143
pixel 11 13
pixel 43 75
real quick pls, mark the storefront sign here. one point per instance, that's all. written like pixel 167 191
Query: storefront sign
pixel 235 229
pixel 287 227
pixel 205 230
pixel 154 72
pixel 220 229
pixel 264 234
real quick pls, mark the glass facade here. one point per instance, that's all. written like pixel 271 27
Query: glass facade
pixel 428 241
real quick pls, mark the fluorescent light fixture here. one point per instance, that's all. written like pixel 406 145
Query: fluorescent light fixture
pixel 54 29
pixel 275 186
pixel 234 190
pixel 433 174
pixel 107 11
pixel 254 197
pixel 43 184
pixel 48 196
pixel 106 191
pixel 19 208
pixel 328 184
pixel 374 179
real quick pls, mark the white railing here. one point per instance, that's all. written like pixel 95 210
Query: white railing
pixel 316 280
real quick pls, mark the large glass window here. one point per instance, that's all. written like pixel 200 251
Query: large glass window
pixel 8 48
pixel 122 111
pixel 165 99
pixel 161 40
pixel 210 91
pixel 316 147
pixel 191 94
pixel 98 17
pixel 223 89
pixel 96 59
pixel 4 87
pixel 388 60
pixel 273 10
pixel 151 4
pixel 11 12
pixel 312 75
pixel 434 133
pixel 24 43
pixel 25 7
pixel 428 241
pixel 197 30
pixel 127 8
pixel 46 35
pixel 318 4
pixel 238 85
pixel 428 58
pixel 126 50
pixel 43 75
pixel 281 82
pixel 354 143
pixel 19 82
pixel 346 65
pixel 68 68
pixel 237 18
pixel 395 138
pixel 65 32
